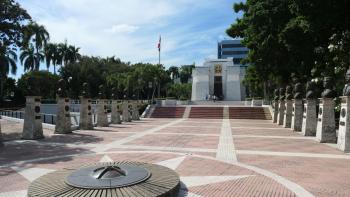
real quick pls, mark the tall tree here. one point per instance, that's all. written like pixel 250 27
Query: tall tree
pixel 31 59
pixel 13 18
pixel 38 35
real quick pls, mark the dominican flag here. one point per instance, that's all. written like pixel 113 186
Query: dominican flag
pixel 159 43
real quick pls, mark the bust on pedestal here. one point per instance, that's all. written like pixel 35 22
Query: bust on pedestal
pixel 281 107
pixel 344 122
pixel 126 114
pixel 309 116
pixel 85 121
pixel 102 119
pixel 275 106
pixel 63 121
pixel 32 126
pixel 287 119
pixel 115 116
pixel 297 115
pixel 326 121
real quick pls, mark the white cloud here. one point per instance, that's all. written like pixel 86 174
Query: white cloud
pixel 130 29
pixel 122 28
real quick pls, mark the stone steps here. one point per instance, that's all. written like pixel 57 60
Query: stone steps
pixel 213 112
pixel 168 112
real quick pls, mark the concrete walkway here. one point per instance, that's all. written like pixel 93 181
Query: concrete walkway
pixel 213 157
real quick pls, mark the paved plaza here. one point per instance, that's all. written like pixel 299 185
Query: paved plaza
pixel 214 157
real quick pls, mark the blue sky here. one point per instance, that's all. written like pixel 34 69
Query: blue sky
pixel 130 29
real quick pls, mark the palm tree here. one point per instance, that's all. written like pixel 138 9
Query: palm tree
pixel 52 55
pixel 37 34
pixel 30 59
pixel 73 54
pixel 7 65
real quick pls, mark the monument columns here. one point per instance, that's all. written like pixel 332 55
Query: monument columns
pixel 281 107
pixel 287 118
pixel 32 126
pixel 297 111
pixel 102 118
pixel 343 141
pixel 115 116
pixel 63 120
pixel 309 118
pixel 126 114
pixel 344 122
pixel 326 119
pixel 1 144
pixel 275 106
pixel 297 115
pixel 85 121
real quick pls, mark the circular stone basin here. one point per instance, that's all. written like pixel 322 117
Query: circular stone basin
pixel 109 179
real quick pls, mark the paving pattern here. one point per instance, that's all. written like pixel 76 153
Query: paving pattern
pixel 213 157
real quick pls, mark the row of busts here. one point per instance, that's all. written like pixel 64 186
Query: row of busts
pixel 121 111
pixel 314 116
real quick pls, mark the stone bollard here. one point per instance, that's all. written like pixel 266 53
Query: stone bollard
pixel 63 120
pixel 309 118
pixel 281 107
pixel 275 107
pixel 135 111
pixel 115 116
pixel 287 116
pixel 1 144
pixel 287 119
pixel 297 115
pixel 297 111
pixel 130 110
pixel 32 126
pixel 126 114
pixel 85 121
pixel 102 119
pixel 343 141
pixel 326 121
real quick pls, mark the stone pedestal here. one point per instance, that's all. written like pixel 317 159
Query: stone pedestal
pixel 287 119
pixel 126 114
pixel 297 115
pixel 85 122
pixel 102 119
pixel 1 144
pixel 135 111
pixel 344 125
pixel 115 116
pixel 281 109
pixel 63 121
pixel 309 118
pixel 275 112
pixel 326 122
pixel 32 126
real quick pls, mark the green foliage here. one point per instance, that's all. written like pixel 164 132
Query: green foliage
pixel 287 37
pixel 45 83
pixel 180 91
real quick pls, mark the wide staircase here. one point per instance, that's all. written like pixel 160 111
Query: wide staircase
pixel 204 112
pixel 168 112
pixel 207 112
pixel 249 113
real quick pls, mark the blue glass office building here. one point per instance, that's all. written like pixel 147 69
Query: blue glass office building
pixel 232 49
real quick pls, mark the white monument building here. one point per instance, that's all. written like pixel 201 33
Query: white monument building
pixel 221 77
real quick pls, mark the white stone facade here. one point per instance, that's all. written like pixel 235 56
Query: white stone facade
pixel 227 72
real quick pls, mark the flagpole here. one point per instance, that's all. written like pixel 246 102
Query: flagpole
pixel 159 56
